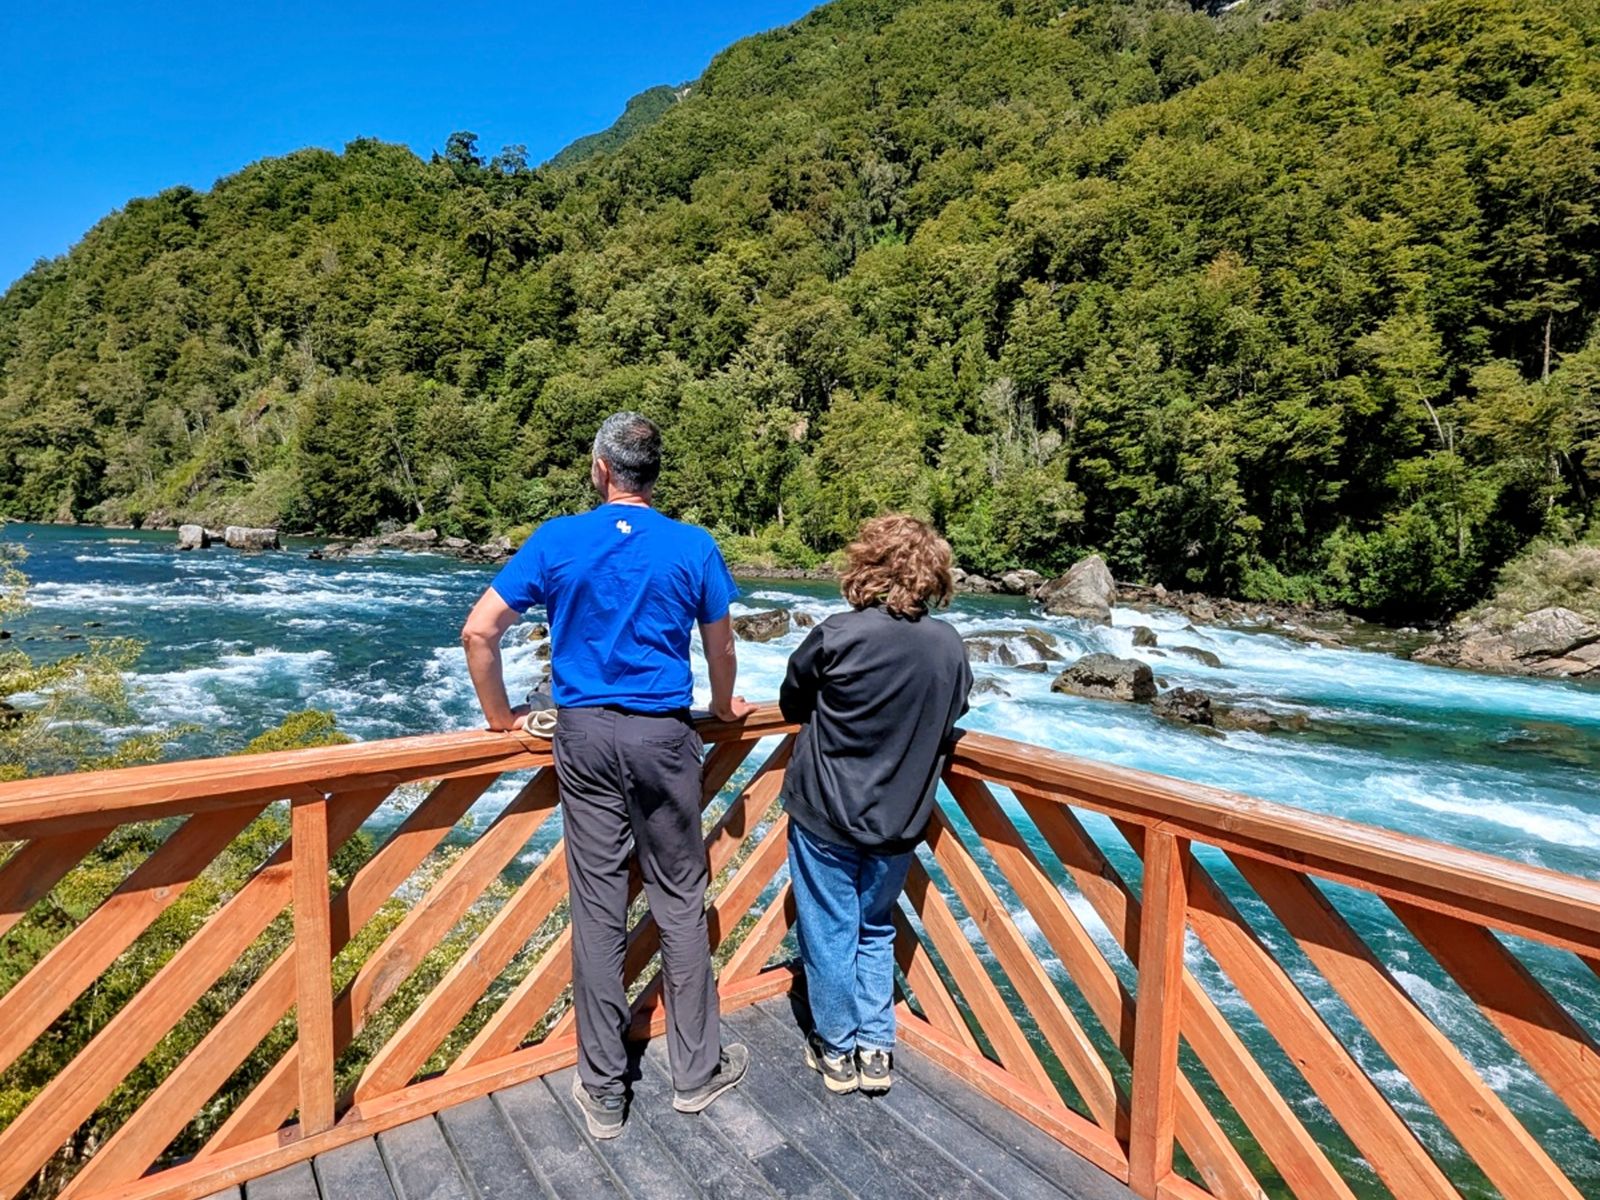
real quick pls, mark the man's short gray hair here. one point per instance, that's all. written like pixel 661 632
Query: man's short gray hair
pixel 630 445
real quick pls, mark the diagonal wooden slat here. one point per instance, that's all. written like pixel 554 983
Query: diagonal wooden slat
pixel 1380 1133
pixel 1531 1019
pixel 272 1100
pixel 1036 990
pixel 75 962
pixel 989 1008
pixel 1303 1164
pixel 72 1096
pixel 1509 1155
pixel 1208 1145
pixel 37 866
pixel 939 1007
pixel 751 956
pixel 143 1136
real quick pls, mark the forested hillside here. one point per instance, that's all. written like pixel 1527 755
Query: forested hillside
pixel 1300 300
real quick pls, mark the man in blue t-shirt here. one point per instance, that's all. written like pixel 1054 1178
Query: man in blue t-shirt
pixel 622 587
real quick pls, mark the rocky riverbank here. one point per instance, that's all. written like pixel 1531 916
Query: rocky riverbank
pixel 1552 642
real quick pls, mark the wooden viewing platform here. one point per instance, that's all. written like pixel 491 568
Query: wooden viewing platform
pixel 1113 983
pixel 779 1134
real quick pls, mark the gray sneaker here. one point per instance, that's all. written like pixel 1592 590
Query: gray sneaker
pixel 838 1071
pixel 735 1060
pixel 603 1117
pixel 874 1067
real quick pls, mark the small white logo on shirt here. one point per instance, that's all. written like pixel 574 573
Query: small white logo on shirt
pixel 624 527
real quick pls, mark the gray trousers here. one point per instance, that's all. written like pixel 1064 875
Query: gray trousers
pixel 631 783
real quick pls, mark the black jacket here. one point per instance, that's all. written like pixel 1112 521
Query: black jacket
pixel 877 697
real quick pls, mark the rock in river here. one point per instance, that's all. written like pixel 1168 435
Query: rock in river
pixel 1143 635
pixel 1087 592
pixel 1551 641
pixel 1184 706
pixel 763 626
pixel 193 537
pixel 1249 719
pixel 241 537
pixel 1107 677
pixel 1204 657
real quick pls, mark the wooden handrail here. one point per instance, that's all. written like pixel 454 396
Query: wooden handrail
pixel 1095 1059
pixel 1546 905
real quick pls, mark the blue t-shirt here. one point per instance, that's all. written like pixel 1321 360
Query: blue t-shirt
pixel 622 587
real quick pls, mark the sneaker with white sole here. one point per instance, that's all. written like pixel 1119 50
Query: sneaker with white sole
pixel 838 1071
pixel 730 1070
pixel 604 1118
pixel 875 1068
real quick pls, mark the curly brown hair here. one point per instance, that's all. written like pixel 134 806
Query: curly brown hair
pixel 899 562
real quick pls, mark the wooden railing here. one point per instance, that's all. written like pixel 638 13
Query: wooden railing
pixel 1032 966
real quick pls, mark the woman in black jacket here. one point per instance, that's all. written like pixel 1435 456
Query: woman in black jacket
pixel 877 692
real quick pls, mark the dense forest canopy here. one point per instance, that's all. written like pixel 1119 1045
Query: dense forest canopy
pixel 1296 301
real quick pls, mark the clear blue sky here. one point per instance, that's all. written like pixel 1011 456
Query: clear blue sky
pixel 101 102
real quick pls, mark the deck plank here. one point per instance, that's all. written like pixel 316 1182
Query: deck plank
pixel 721 1171
pixel 636 1156
pixel 290 1183
pixel 565 1155
pixel 355 1170
pixel 917 1154
pixel 421 1164
pixel 826 1136
pixel 787 1170
pixel 489 1152
pixel 1007 1139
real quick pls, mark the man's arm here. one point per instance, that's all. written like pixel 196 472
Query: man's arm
pixel 722 664
pixel 480 638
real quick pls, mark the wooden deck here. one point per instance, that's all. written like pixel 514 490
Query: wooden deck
pixel 778 1134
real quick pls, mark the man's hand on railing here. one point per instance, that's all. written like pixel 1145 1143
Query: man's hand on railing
pixel 518 718
pixel 736 709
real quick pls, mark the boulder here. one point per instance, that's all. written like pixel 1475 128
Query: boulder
pixel 1086 592
pixel 1107 677
pixel 986 685
pixel 979 585
pixel 1248 718
pixel 193 537
pixel 1550 641
pixel 1037 668
pixel 803 620
pixel 1204 657
pixel 763 626
pixel 1020 583
pixel 333 551
pixel 240 537
pixel 407 539
pixel 990 650
pixel 1184 706
pixel 1143 635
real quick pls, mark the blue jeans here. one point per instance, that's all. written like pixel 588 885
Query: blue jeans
pixel 845 900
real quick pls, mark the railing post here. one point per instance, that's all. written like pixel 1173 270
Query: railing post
pixel 313 956
pixel 1160 995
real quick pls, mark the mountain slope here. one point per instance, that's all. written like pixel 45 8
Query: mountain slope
pixel 642 110
pixel 1299 307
